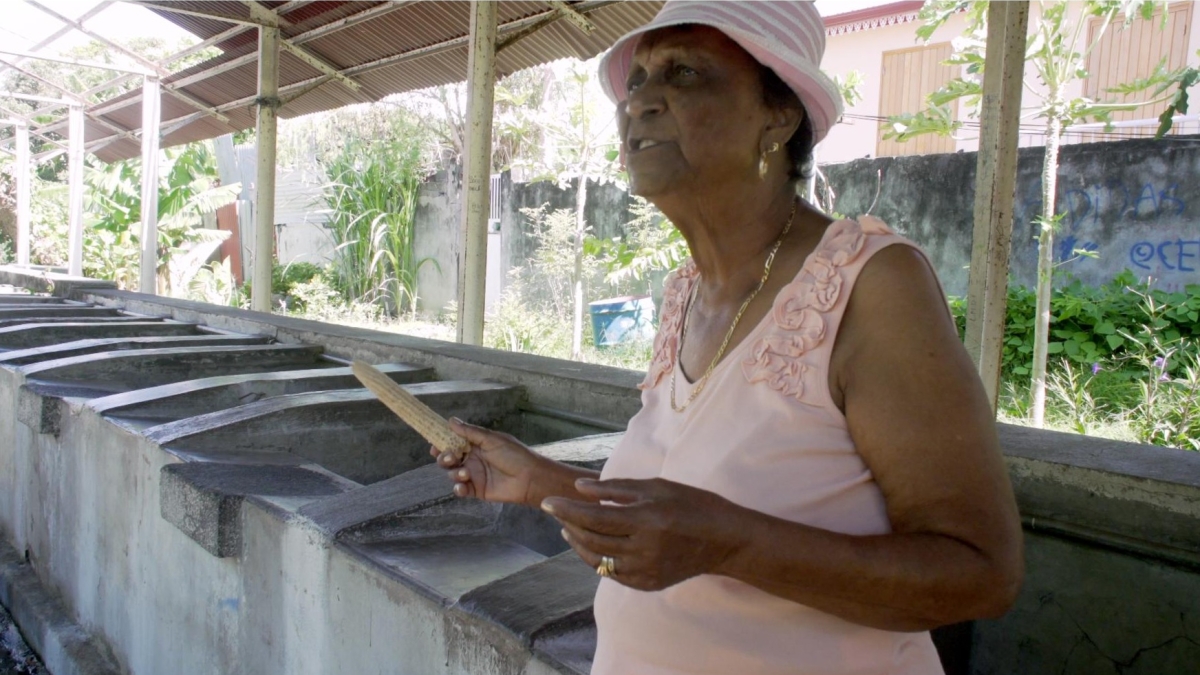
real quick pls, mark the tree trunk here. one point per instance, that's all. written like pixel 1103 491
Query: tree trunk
pixel 1041 328
pixel 580 231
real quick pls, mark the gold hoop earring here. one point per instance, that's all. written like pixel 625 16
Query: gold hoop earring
pixel 762 161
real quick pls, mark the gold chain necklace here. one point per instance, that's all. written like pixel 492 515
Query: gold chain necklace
pixel 687 319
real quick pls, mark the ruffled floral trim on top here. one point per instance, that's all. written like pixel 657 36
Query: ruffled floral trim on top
pixel 799 309
pixel 666 344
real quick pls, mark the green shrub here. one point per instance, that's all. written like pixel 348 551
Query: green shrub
pixel 285 277
pixel 1091 324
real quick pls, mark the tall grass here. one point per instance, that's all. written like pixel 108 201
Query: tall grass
pixel 372 198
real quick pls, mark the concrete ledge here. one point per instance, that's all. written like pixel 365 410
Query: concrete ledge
pixel 410 491
pixel 44 281
pixel 204 500
pixel 1102 491
pixel 140 368
pixel 43 333
pixel 64 647
pixel 10 322
pixel 40 408
pixel 349 432
pixel 19 357
pixel 588 452
pixel 175 401
pixel 605 393
pixel 554 595
pixel 32 313
pixel 29 299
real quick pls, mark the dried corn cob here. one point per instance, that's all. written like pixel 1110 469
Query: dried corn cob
pixel 432 426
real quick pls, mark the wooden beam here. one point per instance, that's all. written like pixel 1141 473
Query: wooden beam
pixel 995 189
pixel 481 85
pixel 568 12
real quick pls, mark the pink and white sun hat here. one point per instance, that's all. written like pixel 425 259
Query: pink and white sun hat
pixel 786 36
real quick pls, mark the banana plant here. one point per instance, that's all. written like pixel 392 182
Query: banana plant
pixel 188 190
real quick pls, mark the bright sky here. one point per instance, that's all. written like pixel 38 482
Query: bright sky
pixel 24 25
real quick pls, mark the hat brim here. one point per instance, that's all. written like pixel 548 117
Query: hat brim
pixel 820 97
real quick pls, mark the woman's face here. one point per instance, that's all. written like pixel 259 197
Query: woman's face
pixel 695 117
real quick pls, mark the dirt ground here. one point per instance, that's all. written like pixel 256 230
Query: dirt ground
pixel 15 656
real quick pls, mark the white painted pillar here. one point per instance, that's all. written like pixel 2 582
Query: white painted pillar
pixel 482 87
pixel 24 192
pixel 151 121
pixel 75 191
pixel 264 184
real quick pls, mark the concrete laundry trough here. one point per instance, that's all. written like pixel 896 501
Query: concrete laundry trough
pixel 198 489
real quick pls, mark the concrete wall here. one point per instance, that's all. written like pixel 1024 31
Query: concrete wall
pixel 1133 203
pixel 439 225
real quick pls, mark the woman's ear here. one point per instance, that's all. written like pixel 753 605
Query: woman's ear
pixel 782 124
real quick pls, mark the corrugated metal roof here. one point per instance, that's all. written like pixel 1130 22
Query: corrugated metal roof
pixel 412 45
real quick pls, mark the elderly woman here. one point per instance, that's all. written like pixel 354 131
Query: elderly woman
pixel 814 479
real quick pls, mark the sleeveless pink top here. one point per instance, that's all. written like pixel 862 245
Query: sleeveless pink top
pixel 765 434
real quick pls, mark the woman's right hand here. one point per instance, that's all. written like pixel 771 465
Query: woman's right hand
pixel 498 468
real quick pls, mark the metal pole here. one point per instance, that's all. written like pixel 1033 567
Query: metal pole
pixel 75 192
pixel 23 193
pixel 995 189
pixel 482 87
pixel 151 116
pixel 264 196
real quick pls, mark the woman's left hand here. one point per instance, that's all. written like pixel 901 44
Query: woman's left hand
pixel 658 532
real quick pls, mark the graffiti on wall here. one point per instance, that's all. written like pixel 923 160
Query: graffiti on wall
pixel 1085 209
pixel 1177 255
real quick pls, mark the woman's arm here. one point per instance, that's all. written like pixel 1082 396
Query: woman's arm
pixel 918 415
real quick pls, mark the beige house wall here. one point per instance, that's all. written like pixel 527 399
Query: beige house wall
pixel 856 136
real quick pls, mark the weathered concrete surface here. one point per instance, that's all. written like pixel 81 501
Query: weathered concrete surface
pixel 29 299
pixel 52 283
pixel 104 319
pixel 34 312
pixel 65 648
pixel 608 394
pixel 553 595
pixel 204 500
pixel 116 371
pixel 170 402
pixel 20 357
pixel 1135 204
pixel 16 656
pixel 294 602
pixel 438 216
pixel 1091 611
pixel 348 432
pixel 42 334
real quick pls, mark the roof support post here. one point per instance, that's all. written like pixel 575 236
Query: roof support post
pixel 995 189
pixel 75 190
pixel 481 86
pixel 23 193
pixel 264 184
pixel 151 118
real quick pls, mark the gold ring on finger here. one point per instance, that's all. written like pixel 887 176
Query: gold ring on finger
pixel 607 566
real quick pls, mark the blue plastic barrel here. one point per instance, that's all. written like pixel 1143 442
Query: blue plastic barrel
pixel 620 320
